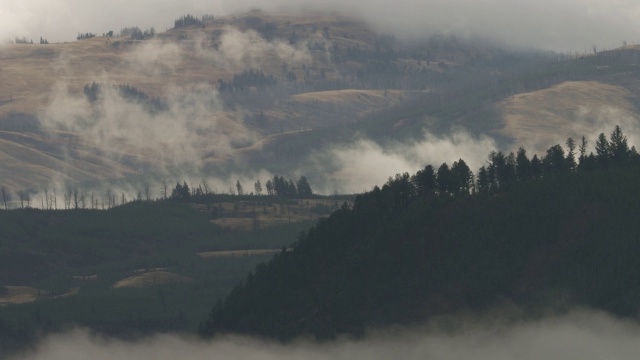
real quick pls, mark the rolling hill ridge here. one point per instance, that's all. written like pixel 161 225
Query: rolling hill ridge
pixel 267 91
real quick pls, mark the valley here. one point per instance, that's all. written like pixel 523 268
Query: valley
pixel 137 267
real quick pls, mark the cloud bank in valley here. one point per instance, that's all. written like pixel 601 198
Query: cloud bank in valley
pixel 558 25
pixel 582 335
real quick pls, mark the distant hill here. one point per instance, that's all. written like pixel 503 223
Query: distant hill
pixel 541 233
pixel 270 89
pixel 244 77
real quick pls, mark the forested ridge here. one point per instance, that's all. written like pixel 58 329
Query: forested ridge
pixel 543 233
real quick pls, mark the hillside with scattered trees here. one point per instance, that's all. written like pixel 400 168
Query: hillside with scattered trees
pixel 319 80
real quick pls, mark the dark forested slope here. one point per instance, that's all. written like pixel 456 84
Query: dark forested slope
pixel 565 233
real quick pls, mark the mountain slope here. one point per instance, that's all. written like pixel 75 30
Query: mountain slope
pixel 204 93
pixel 202 99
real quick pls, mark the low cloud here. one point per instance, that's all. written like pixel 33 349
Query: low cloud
pixel 604 120
pixel 365 164
pixel 118 127
pixel 586 120
pixel 580 334
pixel 153 58
pixel 249 50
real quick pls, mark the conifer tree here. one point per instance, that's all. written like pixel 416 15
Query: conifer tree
pixel 483 181
pixel 554 161
pixel 583 148
pixel 258 187
pixel 523 165
pixel 618 147
pixel 571 157
pixel 425 181
pixel 536 167
pixel 462 178
pixel 304 189
pixel 444 179
pixel 602 150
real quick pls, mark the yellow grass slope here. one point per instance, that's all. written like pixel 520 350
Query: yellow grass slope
pixel 151 279
pixel 21 295
pixel 369 97
pixel 540 119
pixel 30 73
pixel 237 253
pixel 29 160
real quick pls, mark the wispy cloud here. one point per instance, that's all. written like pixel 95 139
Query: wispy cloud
pixel 364 164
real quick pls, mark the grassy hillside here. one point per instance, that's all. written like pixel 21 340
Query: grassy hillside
pixel 535 107
pixel 227 85
pixel 572 108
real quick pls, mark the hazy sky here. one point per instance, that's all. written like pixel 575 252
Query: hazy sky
pixel 562 25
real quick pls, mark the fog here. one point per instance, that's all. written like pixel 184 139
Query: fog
pixel 248 50
pixel 364 164
pixel 604 120
pixel 580 334
pixel 563 25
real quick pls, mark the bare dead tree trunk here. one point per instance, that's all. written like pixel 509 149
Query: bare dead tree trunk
pixel 205 187
pixel 68 196
pixel 4 197
pixel 164 187
pixel 75 197
pixel 21 196
pixel 109 198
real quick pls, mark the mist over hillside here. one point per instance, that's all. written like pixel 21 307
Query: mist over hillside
pixel 122 108
pixel 566 26
pixel 247 96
